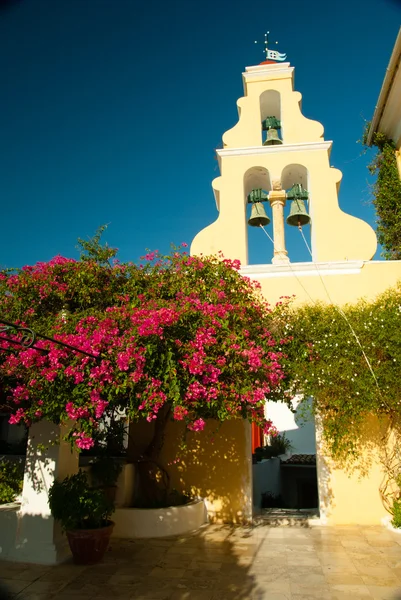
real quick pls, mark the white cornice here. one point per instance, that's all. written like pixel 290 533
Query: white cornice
pixel 310 269
pixel 305 146
pixel 258 70
pixel 391 72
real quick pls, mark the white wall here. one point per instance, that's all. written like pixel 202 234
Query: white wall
pixel 265 478
pixel 299 428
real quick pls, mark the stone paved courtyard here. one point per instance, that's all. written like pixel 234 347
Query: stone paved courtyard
pixel 225 562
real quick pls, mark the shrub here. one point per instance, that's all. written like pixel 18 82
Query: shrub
pixel 11 481
pixel 77 506
pixel 396 521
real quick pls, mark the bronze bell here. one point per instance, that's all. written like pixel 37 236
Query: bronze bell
pixel 258 215
pixel 272 138
pixel 298 214
pixel 271 125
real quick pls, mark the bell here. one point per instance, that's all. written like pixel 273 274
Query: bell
pixel 298 215
pixel 258 215
pixel 272 138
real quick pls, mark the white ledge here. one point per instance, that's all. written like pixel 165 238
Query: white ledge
pixel 258 70
pixel 311 269
pixel 320 145
pixel 159 522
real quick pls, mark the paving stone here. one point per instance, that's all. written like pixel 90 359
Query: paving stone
pixel 384 593
pixel 228 563
pixel 14 585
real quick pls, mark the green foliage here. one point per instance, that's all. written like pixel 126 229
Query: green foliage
pixel 94 250
pixel 105 471
pixel 11 481
pixel 396 521
pixel 327 362
pixel 77 506
pixel 279 444
pixel 387 196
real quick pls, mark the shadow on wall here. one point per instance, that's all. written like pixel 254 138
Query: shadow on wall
pixel 215 464
pixel 27 530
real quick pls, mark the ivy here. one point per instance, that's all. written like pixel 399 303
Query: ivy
pixel 386 195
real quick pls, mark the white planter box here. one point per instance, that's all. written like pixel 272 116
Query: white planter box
pixel 159 522
pixel 386 521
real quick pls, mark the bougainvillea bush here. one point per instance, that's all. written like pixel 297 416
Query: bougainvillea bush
pixel 180 337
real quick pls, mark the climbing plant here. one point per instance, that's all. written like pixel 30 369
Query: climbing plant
pixel 386 195
pixel 349 361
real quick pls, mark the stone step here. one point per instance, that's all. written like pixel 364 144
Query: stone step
pixel 281 517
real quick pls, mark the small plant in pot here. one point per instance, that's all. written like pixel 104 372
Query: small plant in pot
pixel 84 514
pixel 105 471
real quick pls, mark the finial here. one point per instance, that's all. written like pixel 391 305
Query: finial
pixel 271 54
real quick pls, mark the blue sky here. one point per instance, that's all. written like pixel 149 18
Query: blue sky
pixel 89 132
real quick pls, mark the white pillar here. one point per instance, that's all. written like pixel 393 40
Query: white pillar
pixel 39 538
pixel 277 199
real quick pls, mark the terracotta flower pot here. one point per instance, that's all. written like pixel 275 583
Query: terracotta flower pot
pixel 89 545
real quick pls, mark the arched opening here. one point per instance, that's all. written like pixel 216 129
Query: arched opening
pixel 297 248
pixel 270 117
pixel 260 250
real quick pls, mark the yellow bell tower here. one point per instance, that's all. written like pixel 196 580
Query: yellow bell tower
pixel 274 156
pixel 273 164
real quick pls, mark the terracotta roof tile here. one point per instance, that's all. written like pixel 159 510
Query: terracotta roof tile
pixel 300 459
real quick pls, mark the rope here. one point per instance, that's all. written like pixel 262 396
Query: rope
pixel 292 270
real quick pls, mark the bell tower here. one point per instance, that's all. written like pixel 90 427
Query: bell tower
pixel 272 160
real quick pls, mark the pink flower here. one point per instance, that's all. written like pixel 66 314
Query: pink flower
pixel 269 429
pixel 179 413
pixel 16 418
pixel 83 442
pixel 197 425
pixel 100 408
pixel 76 412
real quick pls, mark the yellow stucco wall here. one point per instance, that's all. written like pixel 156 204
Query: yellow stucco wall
pixel 340 283
pixel 351 494
pixel 216 465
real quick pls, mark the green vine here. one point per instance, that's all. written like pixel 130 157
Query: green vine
pixel 386 195
pixel 349 361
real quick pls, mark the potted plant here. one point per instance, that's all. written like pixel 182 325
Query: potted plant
pixel 105 471
pixel 84 514
pixel 280 444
